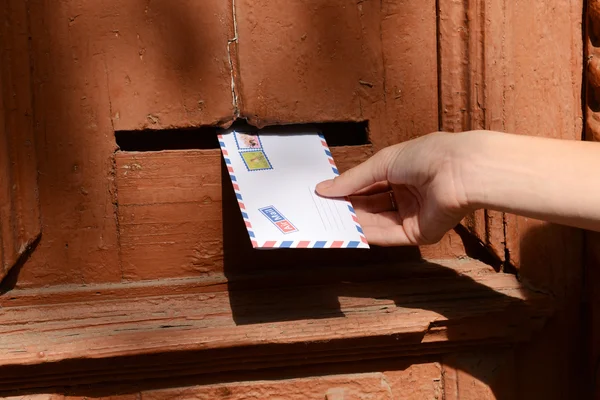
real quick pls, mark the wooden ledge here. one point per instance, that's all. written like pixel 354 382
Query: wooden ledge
pixel 117 332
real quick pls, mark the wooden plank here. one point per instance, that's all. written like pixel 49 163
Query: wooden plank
pixel 328 387
pixel 479 375
pixel 516 66
pixel 471 75
pixel 168 63
pixel 544 46
pixel 309 61
pixel 592 312
pixel 409 47
pixel 418 381
pixel 265 327
pixel 112 67
pixel 271 279
pixel 74 143
pixel 410 68
pixel 171 211
pixel 592 239
pixel 20 225
pixel 414 382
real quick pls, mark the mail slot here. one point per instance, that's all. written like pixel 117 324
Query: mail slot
pixel 205 137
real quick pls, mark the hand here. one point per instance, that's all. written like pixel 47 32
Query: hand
pixel 407 194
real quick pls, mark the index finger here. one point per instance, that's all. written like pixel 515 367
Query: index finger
pixel 374 170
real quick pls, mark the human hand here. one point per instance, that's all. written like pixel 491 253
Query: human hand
pixel 407 194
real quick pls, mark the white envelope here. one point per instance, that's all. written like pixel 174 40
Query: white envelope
pixel 274 178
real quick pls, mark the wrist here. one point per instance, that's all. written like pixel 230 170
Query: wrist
pixel 473 154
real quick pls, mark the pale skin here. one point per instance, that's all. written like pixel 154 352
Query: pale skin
pixel 437 179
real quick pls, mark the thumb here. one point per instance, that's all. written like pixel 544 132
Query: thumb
pixel 374 170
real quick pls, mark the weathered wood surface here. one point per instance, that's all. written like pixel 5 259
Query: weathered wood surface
pixel 74 143
pixel 592 240
pixel 544 99
pixel 422 380
pixel 474 70
pixel 171 211
pixel 20 225
pixel 167 63
pixel 516 67
pixel 478 375
pixel 417 309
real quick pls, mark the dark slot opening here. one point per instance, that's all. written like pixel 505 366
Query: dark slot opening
pixel 168 139
pixel 336 134
pixel 346 133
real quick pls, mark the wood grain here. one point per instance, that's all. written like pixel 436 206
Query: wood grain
pixel 447 305
pixel 74 145
pixel 171 211
pixel 409 47
pixel 472 72
pixel 20 224
pixel 414 382
pixel 545 45
pixel 479 375
pixel 592 239
pixel 516 67
pixel 309 61
pixel 168 63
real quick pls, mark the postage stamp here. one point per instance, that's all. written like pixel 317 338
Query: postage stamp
pixel 246 141
pixel 256 160
pixel 277 218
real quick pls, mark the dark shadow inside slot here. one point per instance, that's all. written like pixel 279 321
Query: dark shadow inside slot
pixel 204 138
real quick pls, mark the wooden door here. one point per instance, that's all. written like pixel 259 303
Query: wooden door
pixel 127 268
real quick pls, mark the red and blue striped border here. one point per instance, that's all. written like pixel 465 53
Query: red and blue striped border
pixel 357 224
pixel 238 192
pixel 337 173
pixel 329 156
pixel 311 244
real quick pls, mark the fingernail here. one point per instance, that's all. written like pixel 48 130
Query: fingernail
pixel 325 184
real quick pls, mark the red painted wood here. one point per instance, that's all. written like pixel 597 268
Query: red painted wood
pixel 20 225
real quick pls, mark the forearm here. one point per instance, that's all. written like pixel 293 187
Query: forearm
pixel 552 180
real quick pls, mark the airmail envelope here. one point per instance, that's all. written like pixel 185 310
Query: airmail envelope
pixel 274 178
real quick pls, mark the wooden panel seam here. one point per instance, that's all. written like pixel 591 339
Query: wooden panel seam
pixel 20 225
pixel 471 74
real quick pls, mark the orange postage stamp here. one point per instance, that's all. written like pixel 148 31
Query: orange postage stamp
pixel 247 141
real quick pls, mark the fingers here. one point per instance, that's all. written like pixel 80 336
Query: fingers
pixel 384 229
pixel 387 236
pixel 373 170
pixel 375 203
pixel 375 188
pixel 381 222
pixel 384 219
